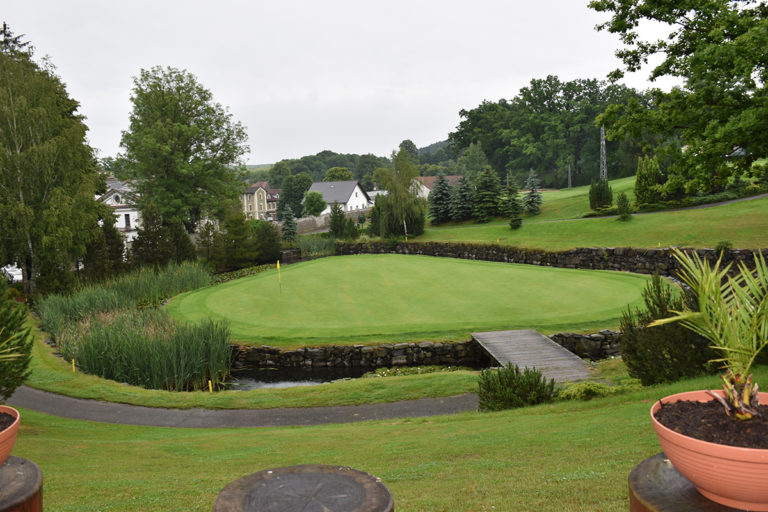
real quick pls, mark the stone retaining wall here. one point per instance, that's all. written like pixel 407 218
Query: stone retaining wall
pixel 643 261
pixel 590 346
pixel 463 353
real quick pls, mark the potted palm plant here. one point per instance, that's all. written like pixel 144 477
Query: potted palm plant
pixel 733 315
pixel 9 417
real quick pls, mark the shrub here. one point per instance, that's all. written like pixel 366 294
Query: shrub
pixel 624 208
pixel 509 387
pixel 648 181
pixel 600 194
pixel 15 343
pixel 586 390
pixel 662 354
pixel 146 348
pixel 723 246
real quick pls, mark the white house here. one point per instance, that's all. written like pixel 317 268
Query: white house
pixel 348 194
pixel 121 197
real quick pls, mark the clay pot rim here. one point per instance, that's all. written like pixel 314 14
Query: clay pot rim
pixel 759 455
pixel 10 410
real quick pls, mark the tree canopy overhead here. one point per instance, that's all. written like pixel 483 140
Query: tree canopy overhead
pixel 48 175
pixel 183 149
pixel 717 48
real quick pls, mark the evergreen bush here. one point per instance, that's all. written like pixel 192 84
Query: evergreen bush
pixel 600 195
pixel 666 353
pixel 440 201
pixel 336 226
pixel 289 228
pixel 624 208
pixel 486 200
pixel 586 390
pixel 509 387
pixel 462 200
pixel 648 181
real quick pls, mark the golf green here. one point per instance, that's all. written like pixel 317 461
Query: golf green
pixel 373 298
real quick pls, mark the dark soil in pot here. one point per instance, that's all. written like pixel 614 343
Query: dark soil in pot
pixel 707 421
pixel 6 420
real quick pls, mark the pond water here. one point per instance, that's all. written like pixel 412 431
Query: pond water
pixel 274 378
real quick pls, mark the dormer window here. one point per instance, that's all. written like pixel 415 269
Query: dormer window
pixel 116 198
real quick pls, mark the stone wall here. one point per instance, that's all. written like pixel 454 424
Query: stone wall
pixel 590 346
pixel 643 261
pixel 463 353
pixel 311 224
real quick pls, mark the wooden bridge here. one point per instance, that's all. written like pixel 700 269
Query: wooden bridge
pixel 530 348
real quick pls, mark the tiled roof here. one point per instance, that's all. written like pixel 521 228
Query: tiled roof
pixel 429 181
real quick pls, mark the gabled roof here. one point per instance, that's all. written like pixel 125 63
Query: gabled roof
pixel 429 181
pixel 123 188
pixel 336 191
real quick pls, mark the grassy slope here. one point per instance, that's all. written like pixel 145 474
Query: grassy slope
pixel 571 456
pixel 745 224
pixel 351 299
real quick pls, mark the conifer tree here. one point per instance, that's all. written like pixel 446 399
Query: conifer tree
pixel 532 201
pixel 486 204
pixel 336 227
pixel 512 206
pixel 462 202
pixel 289 228
pixel 440 200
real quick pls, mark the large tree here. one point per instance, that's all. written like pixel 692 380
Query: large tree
pixel 401 212
pixel 440 201
pixel 338 174
pixel 717 49
pixel 48 175
pixel 184 150
pixel 486 201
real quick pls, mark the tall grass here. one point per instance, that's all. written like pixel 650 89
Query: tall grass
pixel 143 287
pixel 313 246
pixel 146 348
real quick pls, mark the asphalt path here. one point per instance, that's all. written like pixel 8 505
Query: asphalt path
pixel 109 412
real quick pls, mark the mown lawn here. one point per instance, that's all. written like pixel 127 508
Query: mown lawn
pixel 744 224
pixel 374 298
pixel 573 456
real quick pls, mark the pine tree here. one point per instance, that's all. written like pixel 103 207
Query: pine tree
pixel 532 201
pixel 182 247
pixel 600 194
pixel 440 200
pixel 462 202
pixel 289 228
pixel 151 245
pixel 486 205
pixel 512 207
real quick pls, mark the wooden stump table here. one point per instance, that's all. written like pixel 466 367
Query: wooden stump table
pixel 306 488
pixel 656 486
pixel 21 486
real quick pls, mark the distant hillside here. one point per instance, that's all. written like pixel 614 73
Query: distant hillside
pixel 433 148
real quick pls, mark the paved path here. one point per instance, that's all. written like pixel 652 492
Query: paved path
pixel 94 410
pixel 528 347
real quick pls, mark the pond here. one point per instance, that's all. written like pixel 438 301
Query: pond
pixel 275 378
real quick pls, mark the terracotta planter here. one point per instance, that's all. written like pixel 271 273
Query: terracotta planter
pixel 8 436
pixel 728 475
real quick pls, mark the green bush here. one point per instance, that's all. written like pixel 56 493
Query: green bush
pixel 146 348
pixel 624 208
pixel 509 387
pixel 600 195
pixel 723 246
pixel 586 390
pixel 666 353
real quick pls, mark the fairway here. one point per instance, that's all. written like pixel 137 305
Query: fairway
pixel 375 298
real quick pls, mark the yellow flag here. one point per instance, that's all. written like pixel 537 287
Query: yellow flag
pixel 278 264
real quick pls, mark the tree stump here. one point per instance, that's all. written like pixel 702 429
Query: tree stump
pixel 656 486
pixel 306 488
pixel 21 486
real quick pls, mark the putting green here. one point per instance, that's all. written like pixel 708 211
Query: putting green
pixel 369 298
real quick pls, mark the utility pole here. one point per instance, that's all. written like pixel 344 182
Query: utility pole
pixel 603 166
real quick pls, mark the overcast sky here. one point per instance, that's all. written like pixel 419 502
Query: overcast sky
pixel 352 76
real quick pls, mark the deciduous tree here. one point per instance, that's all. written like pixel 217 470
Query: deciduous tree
pixel 183 149
pixel 338 174
pixel 314 204
pixel 48 175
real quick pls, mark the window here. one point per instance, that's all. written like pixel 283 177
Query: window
pixel 128 221
pixel 116 199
